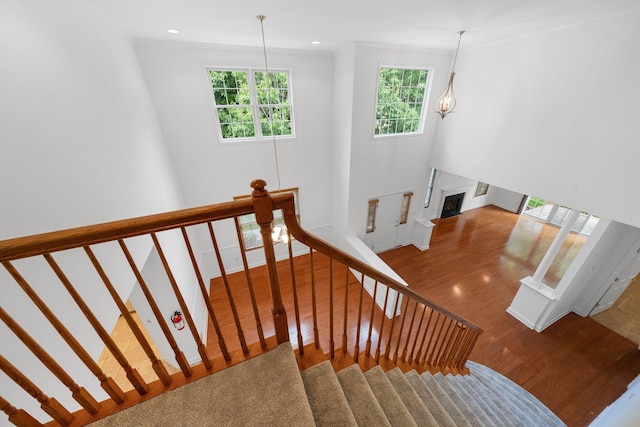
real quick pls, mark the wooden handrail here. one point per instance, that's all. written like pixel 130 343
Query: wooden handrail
pixel 424 333
pixel 40 244
pixel 285 202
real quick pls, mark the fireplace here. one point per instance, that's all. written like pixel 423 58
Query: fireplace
pixel 452 205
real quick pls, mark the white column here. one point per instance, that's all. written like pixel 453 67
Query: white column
pixel 553 250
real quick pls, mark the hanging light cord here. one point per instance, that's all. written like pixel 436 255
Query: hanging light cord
pixel 266 69
pixel 455 59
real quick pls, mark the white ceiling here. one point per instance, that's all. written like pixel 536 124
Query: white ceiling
pixel 296 23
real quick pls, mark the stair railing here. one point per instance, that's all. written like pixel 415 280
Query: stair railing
pixel 325 290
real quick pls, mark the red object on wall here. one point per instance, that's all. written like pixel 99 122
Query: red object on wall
pixel 177 321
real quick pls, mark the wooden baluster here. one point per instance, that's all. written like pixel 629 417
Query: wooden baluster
pixel 346 311
pixel 465 342
pixel 356 348
pixel 227 287
pixel 264 217
pixel 18 417
pixel 367 349
pixel 424 337
pixel 384 313
pixel 461 347
pixel 446 339
pixel 80 394
pixel 405 303
pixel 50 405
pixel 183 305
pixel 296 308
pixel 393 322
pixel 316 333
pixel 205 296
pixel 247 272
pixel 156 363
pixel 455 350
pixel 447 358
pixel 438 344
pixel 132 374
pixel 331 342
pixel 406 341
pixel 415 341
pixel 107 383
pixel 179 355
pixel 428 350
pixel 474 337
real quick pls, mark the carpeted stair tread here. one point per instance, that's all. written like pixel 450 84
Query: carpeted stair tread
pixel 364 405
pixel 525 417
pixel 483 412
pixel 412 401
pixel 326 398
pixel 512 416
pixel 232 397
pixel 429 399
pixel 474 419
pixel 525 401
pixel 391 403
pixel 468 383
pixel 454 412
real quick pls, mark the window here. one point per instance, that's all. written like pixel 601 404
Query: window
pixel 401 99
pixel 555 214
pixel 432 179
pixel 245 98
pixel 481 189
pixel 251 236
pixel 371 215
pixel 406 202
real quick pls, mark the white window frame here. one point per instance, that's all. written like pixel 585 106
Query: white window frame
pixel 425 101
pixel 253 105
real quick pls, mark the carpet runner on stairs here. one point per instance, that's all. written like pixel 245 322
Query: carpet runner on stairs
pixel 268 390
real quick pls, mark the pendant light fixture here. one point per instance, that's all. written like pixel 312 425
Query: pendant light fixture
pixel 279 233
pixel 447 101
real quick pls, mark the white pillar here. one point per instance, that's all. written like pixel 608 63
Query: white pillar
pixel 556 245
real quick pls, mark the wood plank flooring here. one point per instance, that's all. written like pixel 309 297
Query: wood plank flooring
pixel 576 366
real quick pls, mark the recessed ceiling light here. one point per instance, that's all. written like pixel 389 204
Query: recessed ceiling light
pixel 315 42
pixel 173 31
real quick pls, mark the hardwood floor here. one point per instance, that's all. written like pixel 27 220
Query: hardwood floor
pixel 576 366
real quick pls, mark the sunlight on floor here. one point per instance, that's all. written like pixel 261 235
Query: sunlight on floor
pixel 134 353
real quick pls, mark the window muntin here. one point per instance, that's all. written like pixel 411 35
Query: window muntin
pixel 250 105
pixel 249 228
pixel 400 101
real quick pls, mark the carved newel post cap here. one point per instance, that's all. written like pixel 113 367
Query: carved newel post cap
pixel 258 186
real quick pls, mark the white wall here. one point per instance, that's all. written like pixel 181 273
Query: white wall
pixel 343 111
pixel 210 171
pixel 505 199
pixel 80 144
pixel 553 115
pixel 388 165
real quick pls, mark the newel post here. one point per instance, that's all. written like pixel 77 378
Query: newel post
pixel 264 217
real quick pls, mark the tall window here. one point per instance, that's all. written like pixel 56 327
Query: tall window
pixel 250 104
pixel 249 228
pixel 432 179
pixel 401 99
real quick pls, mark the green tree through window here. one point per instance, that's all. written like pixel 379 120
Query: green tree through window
pixel 401 96
pixel 244 98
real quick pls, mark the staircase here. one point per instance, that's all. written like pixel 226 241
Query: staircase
pixel 251 394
